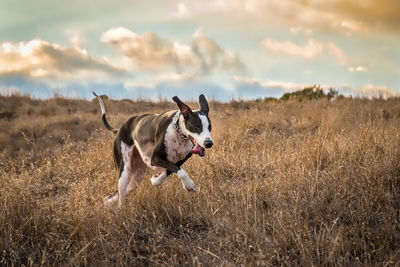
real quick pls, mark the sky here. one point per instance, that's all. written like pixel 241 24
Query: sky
pixel 224 49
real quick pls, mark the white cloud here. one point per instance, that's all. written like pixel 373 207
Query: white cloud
pixel 150 52
pixel 337 53
pixel 298 30
pixel 170 78
pixel 76 39
pixel 182 11
pixel 134 84
pixel 286 86
pixel 42 59
pixel 38 58
pixel 310 50
pixel 370 90
pixel 357 69
pixel 174 77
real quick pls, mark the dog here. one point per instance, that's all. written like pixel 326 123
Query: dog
pixel 162 142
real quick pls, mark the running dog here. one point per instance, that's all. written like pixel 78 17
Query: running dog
pixel 162 142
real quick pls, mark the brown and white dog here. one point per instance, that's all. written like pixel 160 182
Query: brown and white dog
pixel 162 142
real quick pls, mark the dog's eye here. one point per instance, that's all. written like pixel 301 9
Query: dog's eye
pixel 194 127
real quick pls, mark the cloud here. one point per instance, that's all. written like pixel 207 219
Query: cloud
pixel 310 50
pixel 384 14
pixel 357 69
pixel 298 15
pixel 76 39
pixel 185 87
pixel 164 78
pixel 368 90
pixel 189 87
pixel 256 88
pixel 182 11
pixel 286 86
pixel 260 88
pixel 319 15
pixel 252 88
pixel 341 16
pixel 175 77
pixel 337 53
pixel 42 59
pixel 212 56
pixel 298 30
pixel 150 52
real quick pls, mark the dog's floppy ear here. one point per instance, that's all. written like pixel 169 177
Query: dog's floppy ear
pixel 203 104
pixel 185 109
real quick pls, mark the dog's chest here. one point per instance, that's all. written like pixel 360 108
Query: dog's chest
pixel 177 148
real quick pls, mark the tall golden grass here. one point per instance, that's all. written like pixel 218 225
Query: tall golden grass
pixel 286 183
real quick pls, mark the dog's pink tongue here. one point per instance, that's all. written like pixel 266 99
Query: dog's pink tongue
pixel 198 149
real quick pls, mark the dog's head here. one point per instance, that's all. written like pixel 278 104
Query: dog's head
pixel 196 125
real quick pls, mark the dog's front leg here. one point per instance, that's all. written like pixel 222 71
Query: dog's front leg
pixel 158 180
pixel 188 184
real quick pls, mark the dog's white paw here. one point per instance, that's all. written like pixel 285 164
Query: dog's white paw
pixel 189 185
pixel 108 200
pixel 158 180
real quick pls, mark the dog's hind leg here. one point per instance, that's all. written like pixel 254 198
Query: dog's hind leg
pixel 124 179
pixel 110 199
pixel 133 173
pixel 138 170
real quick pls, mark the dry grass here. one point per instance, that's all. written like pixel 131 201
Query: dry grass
pixel 313 183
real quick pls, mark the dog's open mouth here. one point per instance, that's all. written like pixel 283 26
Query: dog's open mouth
pixel 197 149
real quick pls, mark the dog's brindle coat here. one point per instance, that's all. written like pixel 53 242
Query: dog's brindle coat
pixel 162 142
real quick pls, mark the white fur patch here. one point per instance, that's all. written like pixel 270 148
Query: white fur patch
pixel 177 147
pixel 126 152
pixel 188 184
pixel 103 110
pixel 158 180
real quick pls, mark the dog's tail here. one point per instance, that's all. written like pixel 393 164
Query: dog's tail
pixel 103 115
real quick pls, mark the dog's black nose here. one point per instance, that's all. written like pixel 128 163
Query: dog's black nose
pixel 208 143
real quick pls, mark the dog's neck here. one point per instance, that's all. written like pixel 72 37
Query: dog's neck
pixel 178 127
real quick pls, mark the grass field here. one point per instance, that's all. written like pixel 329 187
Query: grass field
pixel 286 183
